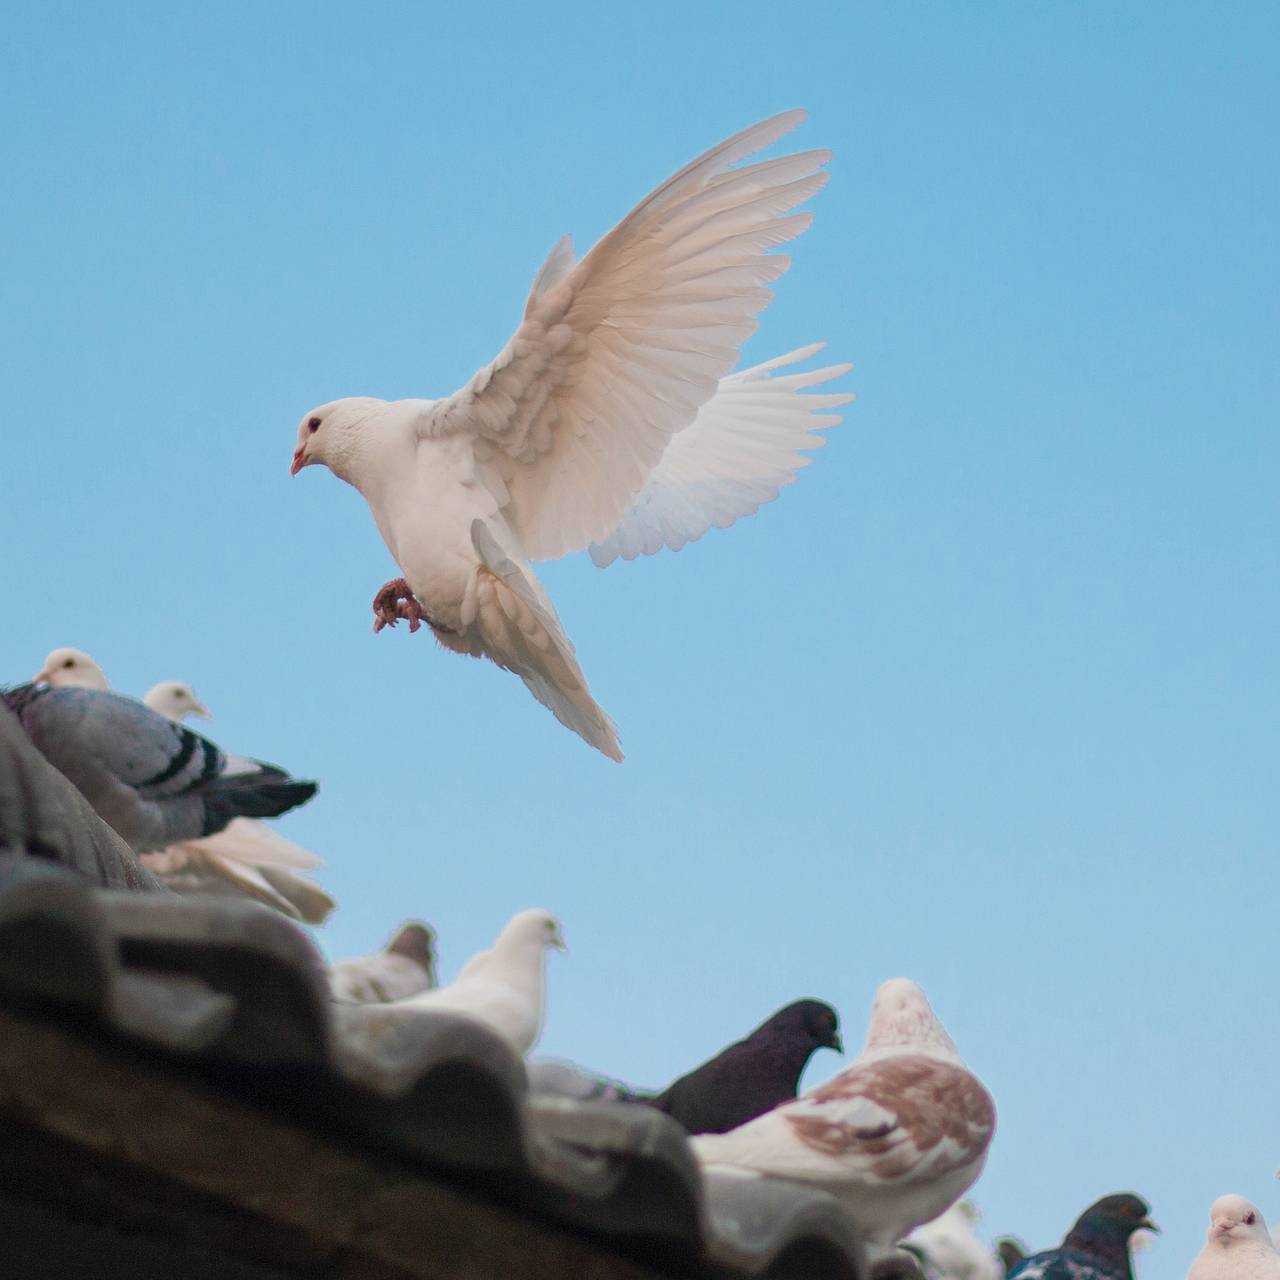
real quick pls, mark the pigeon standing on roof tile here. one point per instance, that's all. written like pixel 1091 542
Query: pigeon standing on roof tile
pixel 246 858
pixel 1238 1245
pixel 504 987
pixel 151 780
pixel 754 1075
pixel 1097 1247
pixel 405 967
pixel 897 1136
pixel 608 421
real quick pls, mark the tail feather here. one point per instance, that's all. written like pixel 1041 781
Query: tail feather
pixel 245 798
pixel 522 634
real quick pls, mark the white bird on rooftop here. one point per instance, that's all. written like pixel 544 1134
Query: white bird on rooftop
pixel 505 987
pixel 898 1136
pixel 608 421
pixel 404 967
pixel 247 856
pixel 950 1248
pixel 1238 1245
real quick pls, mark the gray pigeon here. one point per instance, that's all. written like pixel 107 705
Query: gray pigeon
pixel 154 781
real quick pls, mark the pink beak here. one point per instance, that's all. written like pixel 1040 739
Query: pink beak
pixel 297 463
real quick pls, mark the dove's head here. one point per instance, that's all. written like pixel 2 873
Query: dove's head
pixel 71 669
pixel 1232 1219
pixel 902 1019
pixel 175 699
pixel 327 433
pixel 528 930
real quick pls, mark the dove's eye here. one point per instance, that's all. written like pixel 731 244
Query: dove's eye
pixel 314 424
pixel 1249 1221
pixel 70 662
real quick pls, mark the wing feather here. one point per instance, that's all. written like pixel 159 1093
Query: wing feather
pixel 744 446
pixel 617 353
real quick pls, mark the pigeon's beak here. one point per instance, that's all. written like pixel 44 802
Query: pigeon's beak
pixel 836 1042
pixel 202 711
pixel 559 943
pixel 1147 1225
pixel 298 461
pixel 43 676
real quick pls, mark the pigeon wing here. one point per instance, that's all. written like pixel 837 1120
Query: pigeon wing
pixel 618 353
pixel 743 448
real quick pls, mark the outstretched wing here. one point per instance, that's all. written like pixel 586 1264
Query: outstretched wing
pixel 742 448
pixel 617 353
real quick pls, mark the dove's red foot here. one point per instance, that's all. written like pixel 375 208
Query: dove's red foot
pixel 396 602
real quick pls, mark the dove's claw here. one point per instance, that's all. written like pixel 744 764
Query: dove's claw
pixel 394 602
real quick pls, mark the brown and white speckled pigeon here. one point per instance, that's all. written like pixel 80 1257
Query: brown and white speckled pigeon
pixel 897 1136
pixel 152 780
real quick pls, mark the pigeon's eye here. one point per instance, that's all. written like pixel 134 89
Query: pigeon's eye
pixel 70 662
pixel 314 424
pixel 1249 1221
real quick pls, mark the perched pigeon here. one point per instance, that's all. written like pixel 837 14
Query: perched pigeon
pixel 607 421
pixel 503 987
pixel 175 700
pixel 756 1074
pixel 1011 1252
pixel 247 858
pixel 1238 1246
pixel 404 967
pixel 1097 1247
pixel 897 1136
pixel 150 779
pixel 69 668
pixel 949 1248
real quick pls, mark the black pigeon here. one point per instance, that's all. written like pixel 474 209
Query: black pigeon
pixel 1097 1247
pixel 155 782
pixel 754 1075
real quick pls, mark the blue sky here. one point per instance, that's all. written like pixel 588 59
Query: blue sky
pixel 989 699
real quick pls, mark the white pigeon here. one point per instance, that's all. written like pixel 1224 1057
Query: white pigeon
pixel 950 1249
pixel 175 700
pixel 247 856
pixel 898 1136
pixel 606 422
pixel 504 988
pixel 1238 1245
pixel 68 668
pixel 404 967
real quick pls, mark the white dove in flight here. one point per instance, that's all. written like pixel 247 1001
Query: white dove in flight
pixel 606 422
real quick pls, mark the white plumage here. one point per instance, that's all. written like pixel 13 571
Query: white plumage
pixel 898 1135
pixel 950 1249
pixel 607 421
pixel 1238 1245
pixel 404 967
pixel 503 988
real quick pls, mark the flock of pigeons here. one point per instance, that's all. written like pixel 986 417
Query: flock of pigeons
pixel 610 421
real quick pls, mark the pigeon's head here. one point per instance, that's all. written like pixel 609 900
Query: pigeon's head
pixel 534 928
pixel 327 434
pixel 1233 1219
pixel 71 669
pixel 175 699
pixel 1111 1221
pixel 810 1022
pixel 902 1019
